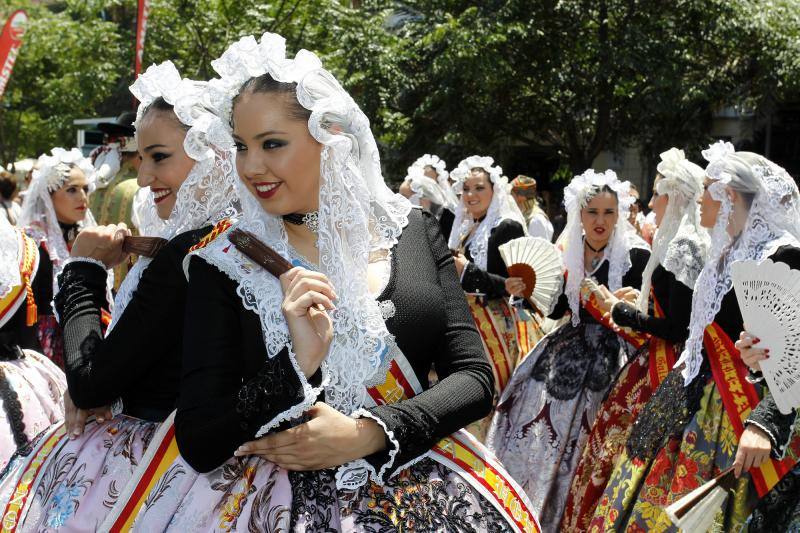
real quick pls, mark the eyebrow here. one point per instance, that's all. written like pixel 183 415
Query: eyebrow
pixel 269 132
pixel 154 146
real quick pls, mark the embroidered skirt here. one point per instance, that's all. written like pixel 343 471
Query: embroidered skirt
pixel 70 485
pixel 252 494
pixel 640 487
pixel 607 441
pixel 545 414
pixel 497 325
pixel 51 339
pixel 31 390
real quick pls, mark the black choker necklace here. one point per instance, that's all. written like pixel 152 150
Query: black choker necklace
pixel 596 259
pixel 592 248
pixel 309 220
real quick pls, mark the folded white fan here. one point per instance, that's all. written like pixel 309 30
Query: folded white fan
pixel 538 262
pixel 696 511
pixel 769 299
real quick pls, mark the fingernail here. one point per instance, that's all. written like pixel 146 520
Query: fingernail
pixel 76 432
pixel 100 419
pixel 756 340
pixel 237 453
pixel 766 350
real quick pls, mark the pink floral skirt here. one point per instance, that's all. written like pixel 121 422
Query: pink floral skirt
pixel 30 402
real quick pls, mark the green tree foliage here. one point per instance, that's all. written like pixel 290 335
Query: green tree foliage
pixel 68 65
pixel 563 78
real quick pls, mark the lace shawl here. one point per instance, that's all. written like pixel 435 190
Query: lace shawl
pixel 439 192
pixel 502 207
pixel 680 244
pixel 38 216
pixel 9 257
pixel 773 221
pixel 209 192
pixel 576 196
pixel 358 215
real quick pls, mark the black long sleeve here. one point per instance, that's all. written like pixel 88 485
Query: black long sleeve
pixel 225 357
pixel 139 361
pixel 464 392
pixel 229 388
pixel 674 325
pixel 491 281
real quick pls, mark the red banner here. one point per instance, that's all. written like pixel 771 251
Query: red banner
pixel 141 30
pixel 10 43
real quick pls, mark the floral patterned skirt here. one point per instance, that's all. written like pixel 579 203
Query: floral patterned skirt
pixel 32 388
pixel 252 494
pixel 545 414
pixel 607 441
pixel 639 489
pixel 498 326
pixel 82 478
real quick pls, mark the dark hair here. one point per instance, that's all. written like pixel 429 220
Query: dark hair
pixel 8 185
pixel 267 84
pixel 159 104
pixel 598 190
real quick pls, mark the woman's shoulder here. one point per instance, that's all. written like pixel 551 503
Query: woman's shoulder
pixel 183 242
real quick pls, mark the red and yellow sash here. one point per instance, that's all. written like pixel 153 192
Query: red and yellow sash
pixel 161 453
pixel 16 508
pixel 462 453
pixel 28 263
pixel 493 343
pixel 662 353
pixel 592 305
pixel 739 397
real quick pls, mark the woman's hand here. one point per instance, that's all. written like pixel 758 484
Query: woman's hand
pixel 75 419
pixel 461 263
pixel 627 294
pixel 515 287
pixel 103 243
pixel 329 439
pixel 754 448
pixel 750 355
pixel 306 296
pixel 607 300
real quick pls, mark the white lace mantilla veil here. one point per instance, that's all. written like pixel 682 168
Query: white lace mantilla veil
pixel 680 244
pixel 358 215
pixel 38 216
pixel 503 207
pixel 209 192
pixel 576 196
pixel 773 221
pixel 440 191
pixel 9 257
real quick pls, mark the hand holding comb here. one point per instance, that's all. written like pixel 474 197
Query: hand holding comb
pixel 145 246
pixel 272 261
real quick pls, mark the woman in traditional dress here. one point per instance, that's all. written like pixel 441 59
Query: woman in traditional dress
pixel 661 311
pixel 55 209
pixel 488 217
pixel 30 384
pixel 523 189
pixel 136 366
pixel 301 419
pixel 428 183
pixel 689 430
pixel 545 414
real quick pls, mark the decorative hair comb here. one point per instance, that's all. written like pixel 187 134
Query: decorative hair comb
pixel 252 247
pixel 146 246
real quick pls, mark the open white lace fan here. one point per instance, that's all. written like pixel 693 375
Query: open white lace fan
pixel 538 262
pixel 769 298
